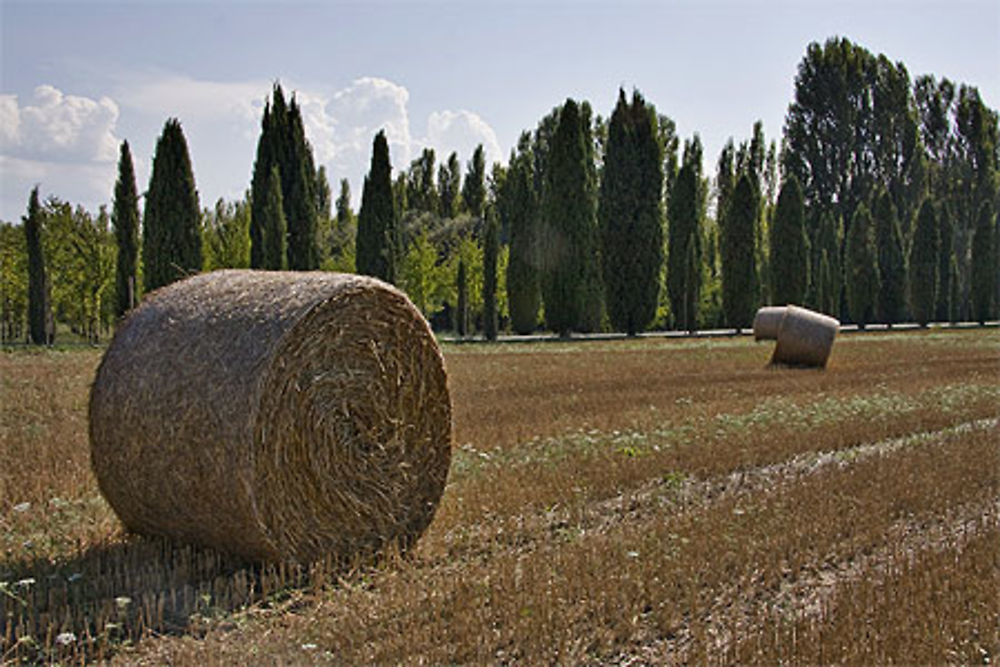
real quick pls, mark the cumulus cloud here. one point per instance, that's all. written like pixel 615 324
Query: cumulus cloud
pixel 358 112
pixel 461 131
pixel 55 127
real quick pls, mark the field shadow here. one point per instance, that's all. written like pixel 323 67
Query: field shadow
pixel 86 607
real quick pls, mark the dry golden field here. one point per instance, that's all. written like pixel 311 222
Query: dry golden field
pixel 650 501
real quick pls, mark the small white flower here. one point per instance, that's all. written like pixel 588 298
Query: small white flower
pixel 122 602
pixel 25 583
pixel 309 647
pixel 22 507
pixel 65 638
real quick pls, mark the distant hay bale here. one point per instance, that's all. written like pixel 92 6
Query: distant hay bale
pixel 805 338
pixel 766 322
pixel 277 416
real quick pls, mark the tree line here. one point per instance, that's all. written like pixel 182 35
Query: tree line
pixel 878 206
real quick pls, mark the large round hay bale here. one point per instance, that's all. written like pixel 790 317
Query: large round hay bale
pixel 805 338
pixel 766 322
pixel 277 416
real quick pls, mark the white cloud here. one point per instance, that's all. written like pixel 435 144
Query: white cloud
pixel 461 131
pixel 358 112
pixel 87 183
pixel 59 128
pixel 193 100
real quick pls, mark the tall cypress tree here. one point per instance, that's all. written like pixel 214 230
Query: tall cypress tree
pixel 984 265
pixel 378 236
pixel 125 220
pixel 789 247
pixel 924 259
pixel 862 268
pixel 274 234
pixel 684 216
pixel 39 307
pixel 891 262
pixel 266 160
pixel 830 233
pixel 520 207
pixel 171 241
pixel 568 225
pixel 474 187
pixel 491 251
pixel 449 180
pixel 737 252
pixel 631 215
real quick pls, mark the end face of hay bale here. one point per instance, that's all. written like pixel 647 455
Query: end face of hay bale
pixel 274 415
pixel 805 338
pixel 766 322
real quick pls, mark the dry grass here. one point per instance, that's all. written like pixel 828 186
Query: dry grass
pixel 658 501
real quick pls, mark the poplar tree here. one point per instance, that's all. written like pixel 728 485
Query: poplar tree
pixel 171 241
pixel 891 261
pixel 789 247
pixel 519 205
pixel 378 242
pixel 924 259
pixel 945 254
pixel 568 225
pixel 491 251
pixel 474 186
pixel 125 220
pixel 862 269
pixel 737 253
pixel 984 265
pixel 39 305
pixel 630 212
pixel 449 182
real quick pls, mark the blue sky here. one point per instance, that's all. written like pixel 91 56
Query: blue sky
pixel 77 77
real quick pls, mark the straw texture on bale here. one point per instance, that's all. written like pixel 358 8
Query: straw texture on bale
pixel 277 416
pixel 805 338
pixel 766 322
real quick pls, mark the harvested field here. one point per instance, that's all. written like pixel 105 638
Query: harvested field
pixel 613 502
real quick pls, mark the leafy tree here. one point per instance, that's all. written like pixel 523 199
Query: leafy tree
pixel 13 281
pixel 227 235
pixel 984 266
pixel 518 204
pixel 324 214
pixel 943 306
pixel 344 231
pixel 736 246
pixel 424 280
pixel 569 221
pixel 462 307
pixel 862 269
pixel 830 239
pixel 826 289
pixel 891 299
pixel 421 194
pixel 125 219
pixel 171 242
pixel 39 308
pixel 789 247
pixel 924 260
pixel 378 242
pixel 474 187
pixel 684 228
pixel 449 181
pixel 631 215
pixel 491 251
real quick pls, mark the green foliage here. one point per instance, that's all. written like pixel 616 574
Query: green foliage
pixel 273 233
pixel 421 194
pixel 426 281
pixel 829 291
pixel 862 269
pixel 568 225
pixel 378 241
pixel 449 180
pixel 343 232
pixel 324 214
pixel 789 246
pixel 737 252
pixel 924 258
pixel 518 204
pixel 125 220
pixel 282 145
pixel 39 310
pixel 631 215
pixel 462 307
pixel 474 187
pixel 946 253
pixel 13 282
pixel 984 265
pixel 227 236
pixel 171 241
pixel 685 211
pixel 891 261
pixel 491 251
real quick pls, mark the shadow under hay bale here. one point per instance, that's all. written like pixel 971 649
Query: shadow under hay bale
pixel 767 321
pixel 275 416
pixel 805 338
